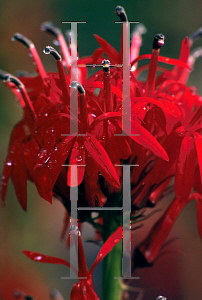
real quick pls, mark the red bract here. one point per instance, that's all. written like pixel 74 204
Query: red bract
pixel 83 290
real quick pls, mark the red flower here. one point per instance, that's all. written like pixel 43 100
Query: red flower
pixel 84 289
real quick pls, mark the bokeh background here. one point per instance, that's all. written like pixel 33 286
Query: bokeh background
pixel 174 276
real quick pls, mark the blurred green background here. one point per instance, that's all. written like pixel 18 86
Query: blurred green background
pixel 174 276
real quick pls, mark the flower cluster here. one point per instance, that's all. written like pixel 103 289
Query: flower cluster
pixel 165 140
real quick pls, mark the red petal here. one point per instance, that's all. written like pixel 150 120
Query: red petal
pixel 152 244
pixel 83 270
pixel 19 176
pixel 57 159
pixel 169 107
pixel 198 143
pixel 77 157
pixel 110 243
pixel 8 168
pixel 111 52
pixel 199 216
pixel 147 140
pixel 101 160
pixel 36 256
pixel 167 60
pixel 38 174
pixel 99 84
pixel 184 176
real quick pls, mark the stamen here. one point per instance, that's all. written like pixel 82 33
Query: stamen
pixel 21 87
pixel 136 42
pixel 195 36
pixel 121 13
pixel 12 86
pixel 56 32
pixel 107 86
pixel 61 72
pixel 194 55
pixel 83 108
pixel 29 44
pixel 123 17
pixel 151 78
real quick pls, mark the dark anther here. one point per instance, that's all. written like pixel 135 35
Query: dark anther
pixel 106 64
pixel 28 297
pixel 3 74
pixel 22 39
pixel 13 79
pixel 195 35
pixel 49 27
pixel 121 13
pixel 77 85
pixel 51 50
pixel 158 41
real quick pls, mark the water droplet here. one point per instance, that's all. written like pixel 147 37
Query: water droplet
pixel 82 146
pixel 55 149
pixel 74 230
pixel 45 114
pixel 9 163
pixel 55 161
pixel 39 257
pixel 93 115
pixel 109 122
pixel 116 241
pixel 79 158
pixel 96 75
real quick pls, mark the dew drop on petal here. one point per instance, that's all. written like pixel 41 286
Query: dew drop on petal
pixel 79 158
pixel 39 257
pixel 116 241
pixel 9 163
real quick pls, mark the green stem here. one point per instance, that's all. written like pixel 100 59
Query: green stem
pixel 112 263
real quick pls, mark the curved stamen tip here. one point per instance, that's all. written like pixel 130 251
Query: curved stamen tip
pixel 106 65
pixel 121 13
pixel 195 35
pixel 13 79
pixel 49 27
pixel 51 50
pixel 158 41
pixel 77 85
pixel 22 39
pixel 140 29
pixel 3 75
pixel 74 230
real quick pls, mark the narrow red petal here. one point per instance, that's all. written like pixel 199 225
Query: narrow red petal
pixel 147 140
pixel 110 243
pixel 198 143
pixel 19 176
pixel 36 256
pixel 101 160
pixel 77 157
pixel 57 159
pixel 111 52
pixel 184 176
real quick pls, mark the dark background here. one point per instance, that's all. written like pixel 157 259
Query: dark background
pixel 174 276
